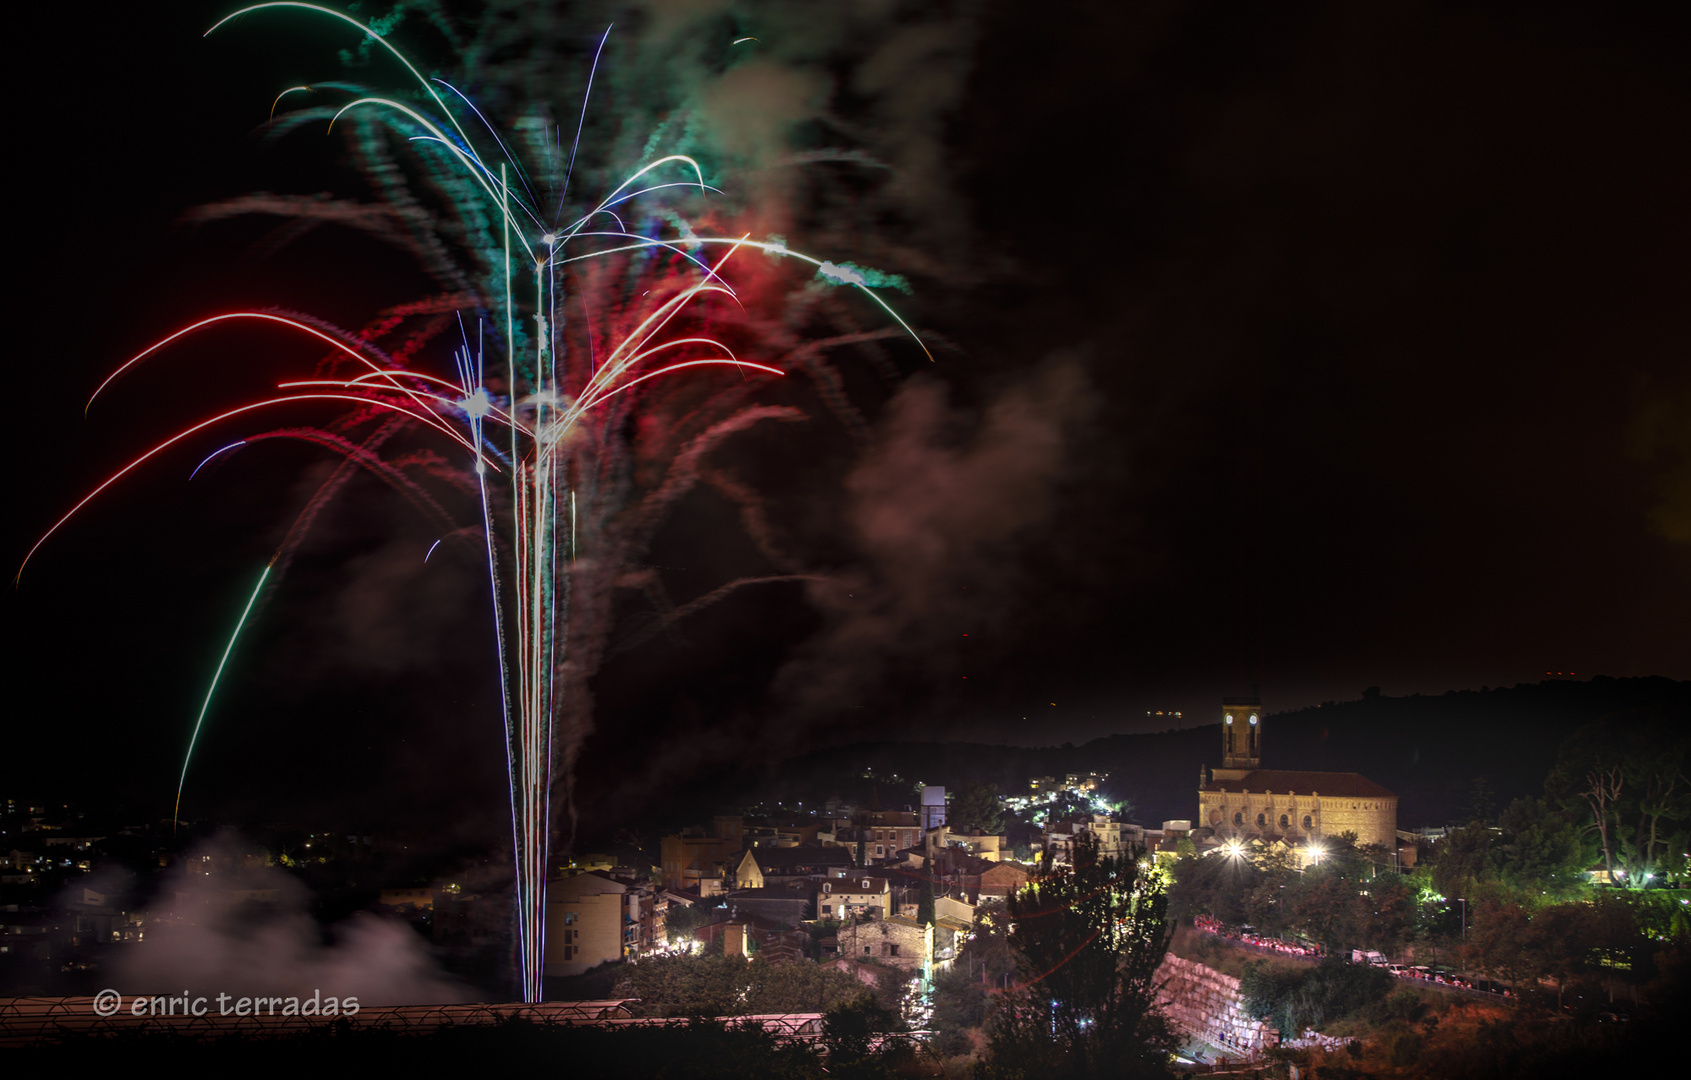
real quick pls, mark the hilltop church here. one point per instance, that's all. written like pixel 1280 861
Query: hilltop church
pixel 1243 801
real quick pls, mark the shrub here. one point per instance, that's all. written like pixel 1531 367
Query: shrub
pixel 1293 999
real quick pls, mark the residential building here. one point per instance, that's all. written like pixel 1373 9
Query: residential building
pixel 1060 835
pixel 780 905
pixel 896 941
pixel 883 833
pixel 692 858
pixel 863 895
pixel 594 918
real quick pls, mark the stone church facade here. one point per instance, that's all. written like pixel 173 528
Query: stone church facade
pixel 1243 801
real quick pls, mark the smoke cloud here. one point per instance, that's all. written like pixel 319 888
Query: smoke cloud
pixel 225 923
pixel 950 510
pixel 823 117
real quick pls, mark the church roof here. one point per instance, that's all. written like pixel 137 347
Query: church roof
pixel 785 858
pixel 1341 785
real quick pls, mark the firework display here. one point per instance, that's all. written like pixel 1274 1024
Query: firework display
pixel 600 352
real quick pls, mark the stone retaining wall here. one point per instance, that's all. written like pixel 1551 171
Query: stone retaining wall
pixel 1203 1002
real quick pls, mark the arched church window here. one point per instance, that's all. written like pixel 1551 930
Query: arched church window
pixel 1238 819
pixel 1285 822
pixel 1308 822
pixel 1262 819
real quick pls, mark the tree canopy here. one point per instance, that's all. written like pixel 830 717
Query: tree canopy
pixel 1088 940
pixel 1628 778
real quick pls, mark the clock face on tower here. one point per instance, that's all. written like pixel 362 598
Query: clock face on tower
pixel 1241 733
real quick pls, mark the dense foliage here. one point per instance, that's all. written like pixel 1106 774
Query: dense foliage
pixel 1348 899
pixel 1293 999
pixel 1628 779
pixel 1088 940
pixel 706 986
pixel 976 808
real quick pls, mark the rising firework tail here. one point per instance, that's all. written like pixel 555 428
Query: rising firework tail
pixel 223 661
pixel 561 508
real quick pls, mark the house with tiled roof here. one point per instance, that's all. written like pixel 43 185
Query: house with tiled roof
pixel 863 895
pixel 764 867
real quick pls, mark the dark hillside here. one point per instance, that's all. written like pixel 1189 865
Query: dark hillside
pixel 1427 749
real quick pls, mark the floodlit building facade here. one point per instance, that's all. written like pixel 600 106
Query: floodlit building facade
pixel 1243 801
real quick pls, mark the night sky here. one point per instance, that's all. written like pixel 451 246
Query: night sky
pixel 1314 349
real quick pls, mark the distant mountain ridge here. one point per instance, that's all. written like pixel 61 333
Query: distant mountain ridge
pixel 1428 749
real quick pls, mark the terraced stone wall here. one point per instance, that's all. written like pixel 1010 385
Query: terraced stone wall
pixel 1203 1002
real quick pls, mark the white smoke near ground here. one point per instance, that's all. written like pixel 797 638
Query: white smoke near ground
pixel 225 923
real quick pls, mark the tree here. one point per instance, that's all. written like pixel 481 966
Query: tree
pixel 711 986
pixel 1482 805
pixel 984 968
pixel 1088 940
pixel 851 1032
pixel 1542 854
pixel 1069 804
pixel 1628 778
pixel 682 919
pixel 1214 884
pixel 1499 940
pixel 976 807
pixel 1558 942
pixel 686 985
pixel 797 987
pixel 1464 859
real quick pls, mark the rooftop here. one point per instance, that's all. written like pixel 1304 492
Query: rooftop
pixel 781 858
pixel 1344 785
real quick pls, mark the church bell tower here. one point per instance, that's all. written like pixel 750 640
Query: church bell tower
pixel 1241 733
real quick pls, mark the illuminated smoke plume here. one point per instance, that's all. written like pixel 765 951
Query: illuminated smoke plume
pixel 243 929
pixel 949 512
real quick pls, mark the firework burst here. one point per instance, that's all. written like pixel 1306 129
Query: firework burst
pixel 597 361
